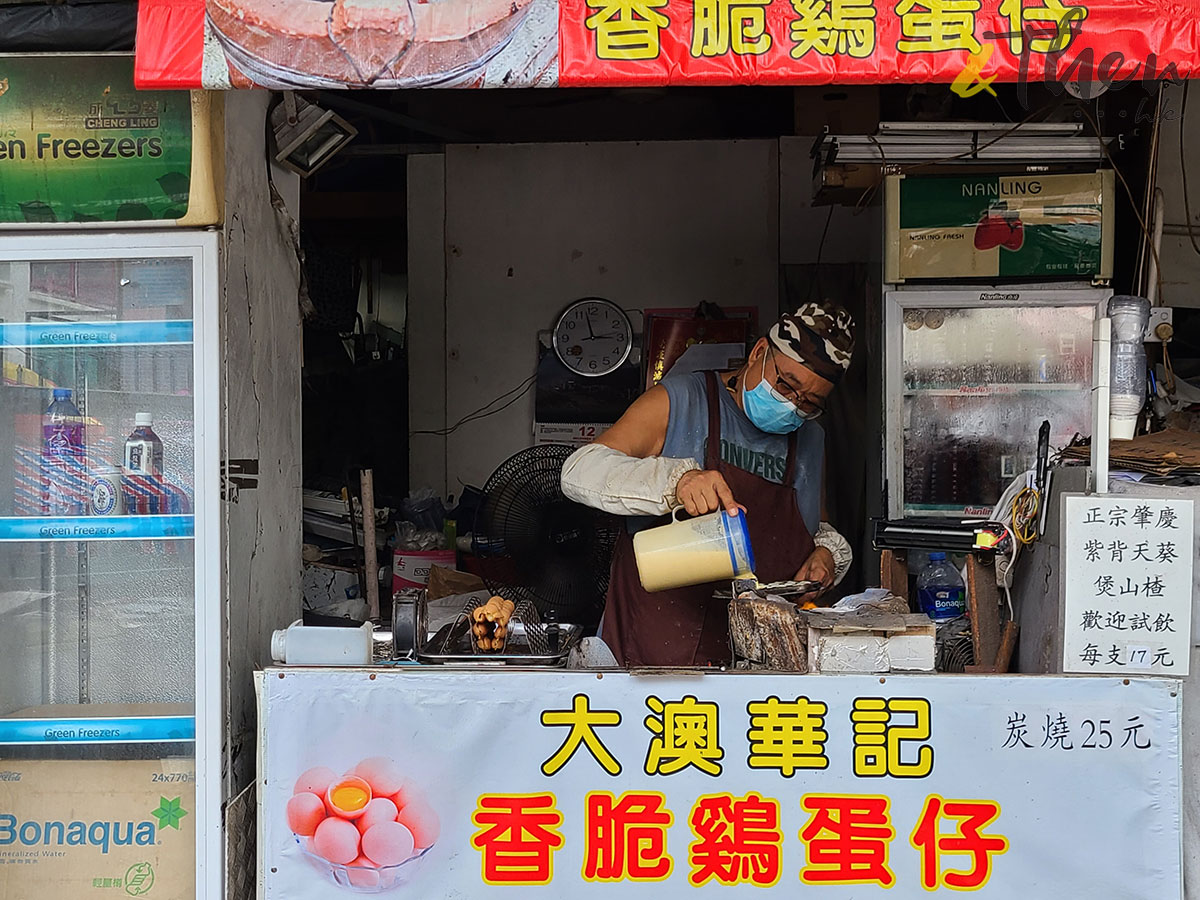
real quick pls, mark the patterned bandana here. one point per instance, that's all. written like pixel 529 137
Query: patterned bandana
pixel 820 337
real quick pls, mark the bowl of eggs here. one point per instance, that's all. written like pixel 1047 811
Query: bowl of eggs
pixel 366 830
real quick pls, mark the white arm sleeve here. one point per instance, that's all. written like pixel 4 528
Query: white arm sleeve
pixel 607 479
pixel 828 537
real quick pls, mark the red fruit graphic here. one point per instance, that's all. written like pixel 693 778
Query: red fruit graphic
pixel 1016 234
pixel 992 231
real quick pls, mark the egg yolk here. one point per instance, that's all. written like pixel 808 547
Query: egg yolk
pixel 349 797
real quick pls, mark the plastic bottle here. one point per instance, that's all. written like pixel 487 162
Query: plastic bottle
pixel 1128 380
pixel 144 449
pixel 65 488
pixel 941 593
pixel 315 645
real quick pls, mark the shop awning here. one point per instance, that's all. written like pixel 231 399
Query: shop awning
pixel 220 44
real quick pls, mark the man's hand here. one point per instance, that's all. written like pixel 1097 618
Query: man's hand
pixel 703 492
pixel 818 567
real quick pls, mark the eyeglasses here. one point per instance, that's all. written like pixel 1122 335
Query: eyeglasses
pixel 806 405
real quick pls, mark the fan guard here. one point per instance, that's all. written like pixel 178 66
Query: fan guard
pixel 954 648
pixel 534 544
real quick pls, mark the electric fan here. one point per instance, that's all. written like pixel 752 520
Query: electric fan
pixel 954 649
pixel 534 544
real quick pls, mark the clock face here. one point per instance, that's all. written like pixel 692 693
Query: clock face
pixel 593 337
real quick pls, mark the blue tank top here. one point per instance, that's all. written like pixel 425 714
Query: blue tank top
pixel 743 445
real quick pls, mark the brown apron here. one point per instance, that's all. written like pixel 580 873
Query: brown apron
pixel 686 626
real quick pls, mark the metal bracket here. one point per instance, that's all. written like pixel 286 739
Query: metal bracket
pixel 238 475
pixel 289 106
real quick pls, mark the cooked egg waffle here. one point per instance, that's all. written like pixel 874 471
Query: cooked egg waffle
pixel 498 630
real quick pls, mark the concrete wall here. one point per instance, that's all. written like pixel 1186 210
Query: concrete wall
pixel 426 336
pixel 1180 262
pixel 528 228
pixel 260 381
pixel 1181 288
pixel 852 236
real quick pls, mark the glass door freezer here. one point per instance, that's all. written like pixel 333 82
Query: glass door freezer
pixel 110 710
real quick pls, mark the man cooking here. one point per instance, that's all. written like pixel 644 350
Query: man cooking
pixel 708 441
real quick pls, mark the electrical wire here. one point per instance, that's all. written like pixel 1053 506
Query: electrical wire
pixel 870 192
pixel 483 412
pixel 815 282
pixel 1152 188
pixel 865 198
pixel 1025 507
pixel 1012 561
pixel 1168 369
pixel 1019 516
pixel 972 152
pixel 1187 205
pixel 1128 191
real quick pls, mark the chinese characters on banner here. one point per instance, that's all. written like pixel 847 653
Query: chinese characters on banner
pixel 563 784
pixel 968 42
pixel 1128 585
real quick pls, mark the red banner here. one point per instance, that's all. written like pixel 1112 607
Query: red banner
pixel 170 44
pixel 791 42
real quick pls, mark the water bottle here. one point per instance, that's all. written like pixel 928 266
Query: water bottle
pixel 144 449
pixel 941 593
pixel 1128 380
pixel 65 488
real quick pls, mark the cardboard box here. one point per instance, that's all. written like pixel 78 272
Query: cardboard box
pixel 410 568
pixel 72 829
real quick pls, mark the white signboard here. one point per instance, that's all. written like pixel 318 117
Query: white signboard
pixel 560 784
pixel 567 433
pixel 1128 576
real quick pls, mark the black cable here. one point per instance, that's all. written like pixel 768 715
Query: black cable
pixel 1133 201
pixel 480 413
pixel 520 390
pixel 869 193
pixel 1187 205
pixel 1000 103
pixel 815 282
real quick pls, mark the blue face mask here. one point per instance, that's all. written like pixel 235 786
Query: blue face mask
pixel 768 409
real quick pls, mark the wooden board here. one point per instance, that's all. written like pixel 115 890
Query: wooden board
pixel 768 634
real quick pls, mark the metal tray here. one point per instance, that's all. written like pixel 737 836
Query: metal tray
pixel 454 645
pixel 777 588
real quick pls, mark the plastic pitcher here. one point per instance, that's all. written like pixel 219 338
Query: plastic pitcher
pixel 687 552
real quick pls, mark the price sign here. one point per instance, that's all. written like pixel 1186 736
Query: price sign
pixel 576 434
pixel 1128 575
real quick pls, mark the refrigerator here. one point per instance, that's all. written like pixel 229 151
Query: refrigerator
pixel 969 377
pixel 110 632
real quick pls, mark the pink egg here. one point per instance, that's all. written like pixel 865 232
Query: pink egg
pixel 305 812
pixel 388 844
pixel 378 810
pixel 381 774
pixel 363 873
pixel 336 840
pixel 315 781
pixel 420 818
pixel 409 792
